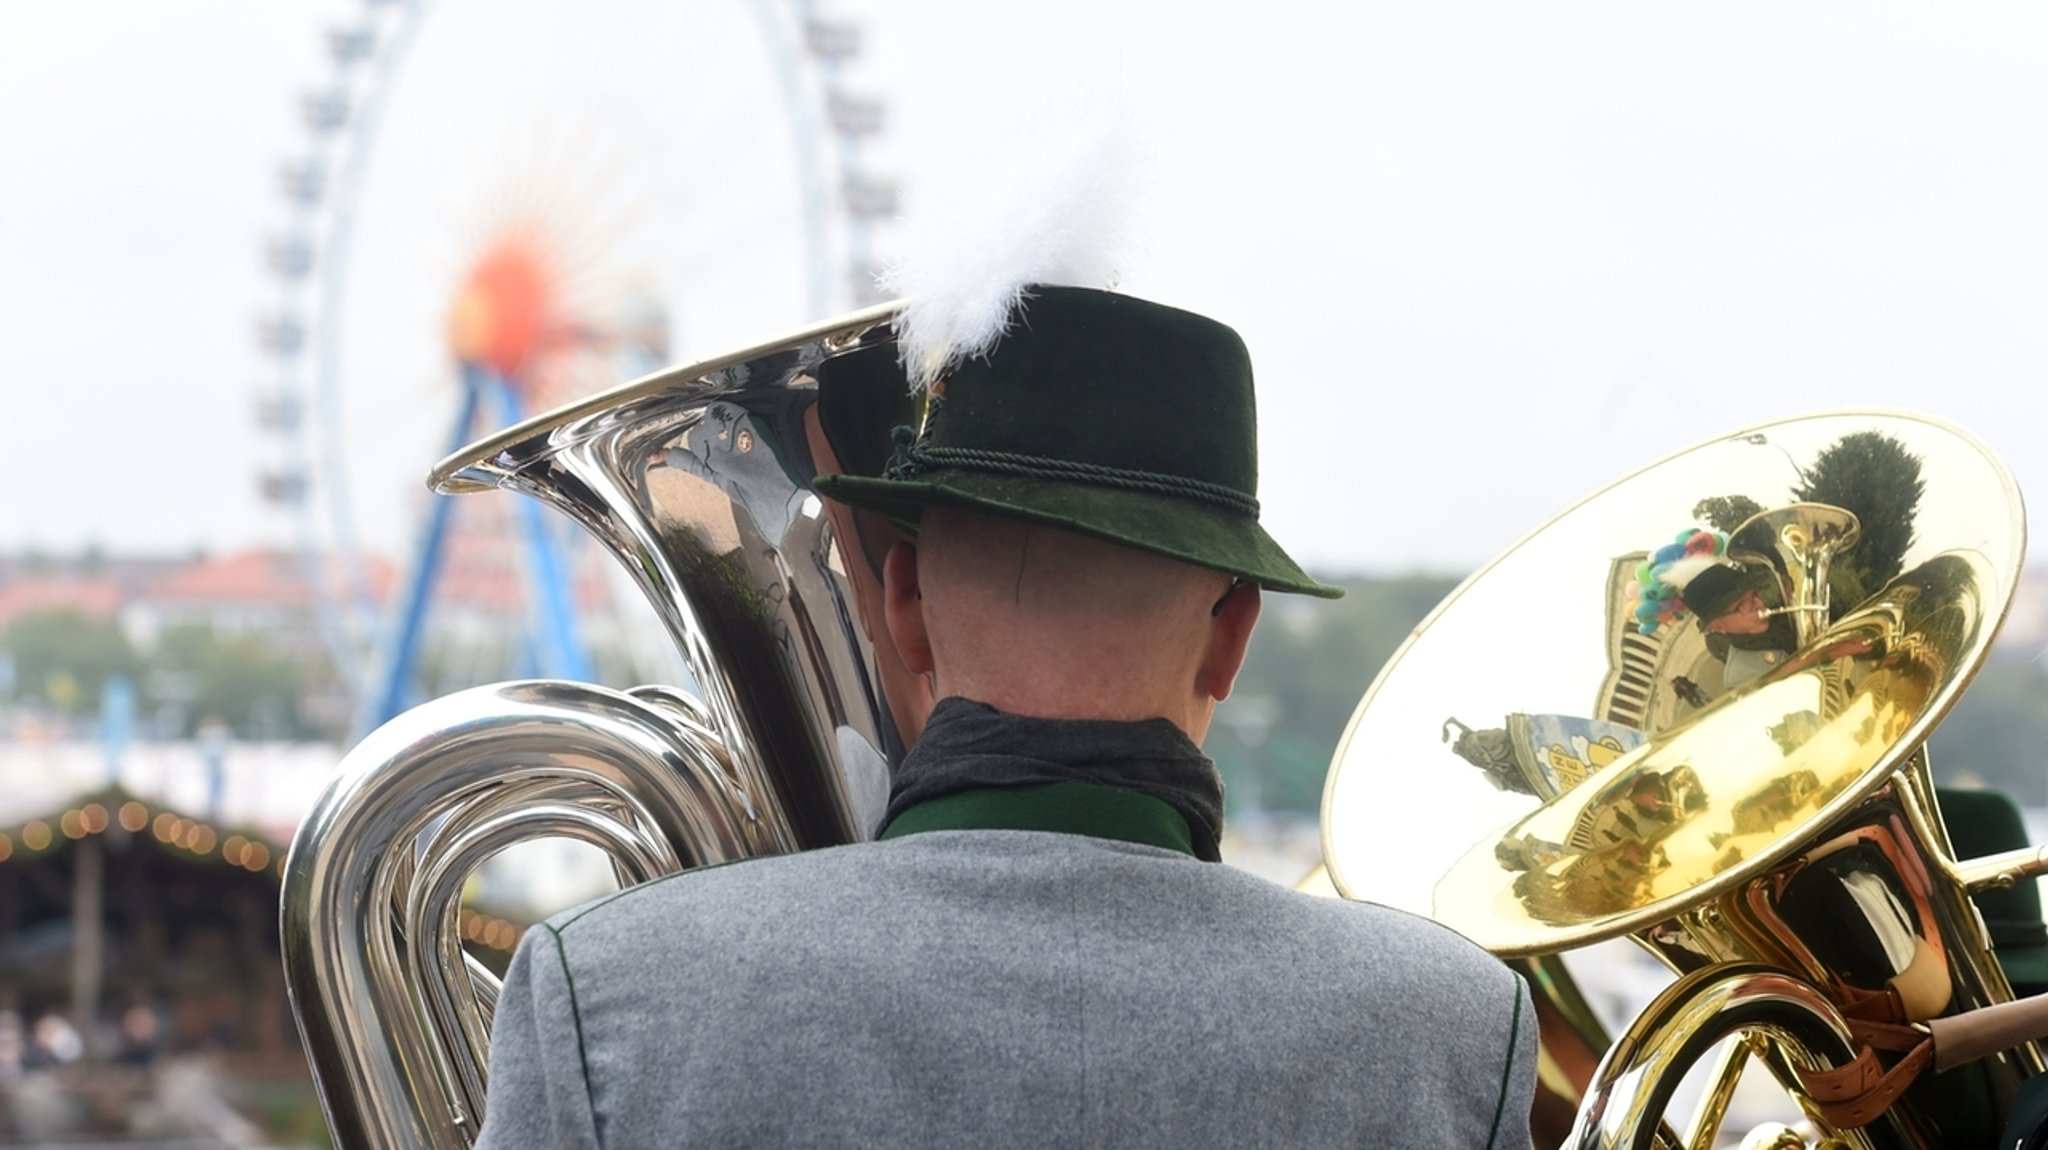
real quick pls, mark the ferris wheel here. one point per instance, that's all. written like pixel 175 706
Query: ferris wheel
pixel 496 207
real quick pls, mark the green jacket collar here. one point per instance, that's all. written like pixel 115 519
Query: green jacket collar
pixel 1064 808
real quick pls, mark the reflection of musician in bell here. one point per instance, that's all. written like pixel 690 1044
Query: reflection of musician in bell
pixel 1041 950
pixel 744 454
pixel 1728 602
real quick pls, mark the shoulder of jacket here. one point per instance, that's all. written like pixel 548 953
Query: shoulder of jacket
pixel 682 885
pixel 1420 935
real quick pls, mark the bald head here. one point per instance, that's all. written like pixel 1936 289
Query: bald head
pixel 1042 622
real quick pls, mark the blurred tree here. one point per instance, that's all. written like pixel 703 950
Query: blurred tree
pixel 67 651
pixel 62 691
pixel 1995 734
pixel 237 678
pixel 1310 663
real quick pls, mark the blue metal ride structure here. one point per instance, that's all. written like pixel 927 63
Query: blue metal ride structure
pixel 551 648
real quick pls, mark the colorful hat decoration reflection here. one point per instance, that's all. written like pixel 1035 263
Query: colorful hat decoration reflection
pixel 1661 580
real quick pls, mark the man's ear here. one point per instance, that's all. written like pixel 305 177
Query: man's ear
pixel 903 607
pixel 1230 636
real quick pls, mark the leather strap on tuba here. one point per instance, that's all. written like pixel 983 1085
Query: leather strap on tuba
pixel 1856 1094
pixel 1853 1095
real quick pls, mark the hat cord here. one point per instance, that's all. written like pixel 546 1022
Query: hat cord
pixel 914 458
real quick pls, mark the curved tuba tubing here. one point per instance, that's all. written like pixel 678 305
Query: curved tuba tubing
pixel 698 479
pixel 418 802
pixel 1751 788
pixel 1634 1083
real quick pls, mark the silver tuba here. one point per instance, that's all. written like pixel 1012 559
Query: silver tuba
pixel 699 480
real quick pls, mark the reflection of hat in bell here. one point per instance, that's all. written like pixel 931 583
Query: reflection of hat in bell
pixel 1709 587
pixel 1983 823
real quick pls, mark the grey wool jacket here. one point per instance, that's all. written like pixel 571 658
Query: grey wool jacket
pixel 1036 955
pixel 993 988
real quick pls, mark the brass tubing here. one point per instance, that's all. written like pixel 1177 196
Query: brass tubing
pixel 1701 1132
pixel 1626 1102
pixel 2003 870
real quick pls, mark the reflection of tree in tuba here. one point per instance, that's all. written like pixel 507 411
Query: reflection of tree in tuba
pixel 1871 476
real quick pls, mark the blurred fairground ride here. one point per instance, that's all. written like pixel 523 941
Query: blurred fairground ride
pixel 496 207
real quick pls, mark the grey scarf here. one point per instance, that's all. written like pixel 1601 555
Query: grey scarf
pixel 968 744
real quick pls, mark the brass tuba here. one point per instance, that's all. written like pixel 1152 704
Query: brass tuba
pixel 699 480
pixel 1770 834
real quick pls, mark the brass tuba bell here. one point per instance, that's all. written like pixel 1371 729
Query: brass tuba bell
pixel 1774 840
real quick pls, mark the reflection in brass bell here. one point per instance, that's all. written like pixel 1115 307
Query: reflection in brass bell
pixel 1778 814
pixel 1533 633
pixel 1773 1136
pixel 1801 542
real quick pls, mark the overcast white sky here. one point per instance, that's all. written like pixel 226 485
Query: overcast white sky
pixel 1487 256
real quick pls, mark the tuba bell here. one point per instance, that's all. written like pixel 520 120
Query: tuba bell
pixel 698 479
pixel 1772 837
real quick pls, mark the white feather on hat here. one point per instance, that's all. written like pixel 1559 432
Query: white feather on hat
pixel 1053 203
pixel 1680 573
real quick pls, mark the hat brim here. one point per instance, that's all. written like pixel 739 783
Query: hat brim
pixel 1188 530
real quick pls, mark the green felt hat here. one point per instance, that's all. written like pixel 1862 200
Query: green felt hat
pixel 1104 415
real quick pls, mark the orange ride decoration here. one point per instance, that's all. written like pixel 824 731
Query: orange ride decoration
pixel 507 314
